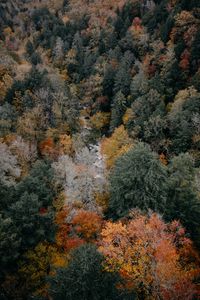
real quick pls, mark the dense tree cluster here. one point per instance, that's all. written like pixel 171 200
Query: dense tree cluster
pixel 99 149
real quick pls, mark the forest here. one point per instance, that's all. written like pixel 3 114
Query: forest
pixel 99 149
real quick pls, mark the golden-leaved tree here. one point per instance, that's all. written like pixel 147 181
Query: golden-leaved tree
pixel 154 258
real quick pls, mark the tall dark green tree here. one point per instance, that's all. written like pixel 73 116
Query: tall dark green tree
pixel 118 109
pixel 108 81
pixel 35 224
pixel 138 180
pixel 183 200
pixel 10 243
pixel 30 206
pixel 84 278
pixel 38 182
pixel 145 108
pixel 123 76
pixel 181 124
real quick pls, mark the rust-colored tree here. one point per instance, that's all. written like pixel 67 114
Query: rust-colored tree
pixel 154 258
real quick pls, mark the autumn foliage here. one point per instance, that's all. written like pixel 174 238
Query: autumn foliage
pixel 151 257
pixel 80 227
pixel 116 145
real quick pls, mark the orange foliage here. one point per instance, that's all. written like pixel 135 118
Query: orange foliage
pixel 84 226
pixel 163 159
pixel 137 24
pixel 48 148
pixel 152 257
pixel 185 63
pixel 87 224
pixel 149 64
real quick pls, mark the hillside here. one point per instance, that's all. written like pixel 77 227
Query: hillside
pixel 99 149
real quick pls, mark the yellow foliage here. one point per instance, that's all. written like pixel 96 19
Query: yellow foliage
pixel 127 116
pixel 58 203
pixel 35 265
pixel 5 82
pixel 145 252
pixel 102 200
pixel 116 145
pixel 17 101
pixel 59 260
pixel 180 99
pixel 7 31
pixel 66 144
pixel 100 120
pixel 64 75
pixel 184 18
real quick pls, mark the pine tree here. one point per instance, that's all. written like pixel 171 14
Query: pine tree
pixel 9 245
pixel 84 278
pixel 34 224
pixel 117 111
pixel 138 180
pixel 183 200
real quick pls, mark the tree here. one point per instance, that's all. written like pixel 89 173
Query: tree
pixel 29 48
pixel 195 57
pixel 36 264
pixel 144 108
pixel 123 79
pixel 155 133
pixel 108 81
pixel 83 278
pixel 81 177
pixel 35 59
pixel 9 169
pixel 25 151
pixel 152 257
pixel 115 145
pixel 100 120
pixel 33 224
pixel 29 206
pixel 182 127
pixel 58 51
pixel 32 124
pixel 66 238
pixel 138 179
pixel 183 199
pixel 7 120
pixel 9 246
pixel 118 109
pixel 38 182
pixel 87 225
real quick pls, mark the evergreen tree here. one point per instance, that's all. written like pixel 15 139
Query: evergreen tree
pixel 10 243
pixel 195 52
pixel 29 48
pixel 108 81
pixel 38 182
pixel 34 224
pixel 138 180
pixel 181 124
pixel 84 278
pixel 122 81
pixel 183 200
pixel 118 109
pixel 144 109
